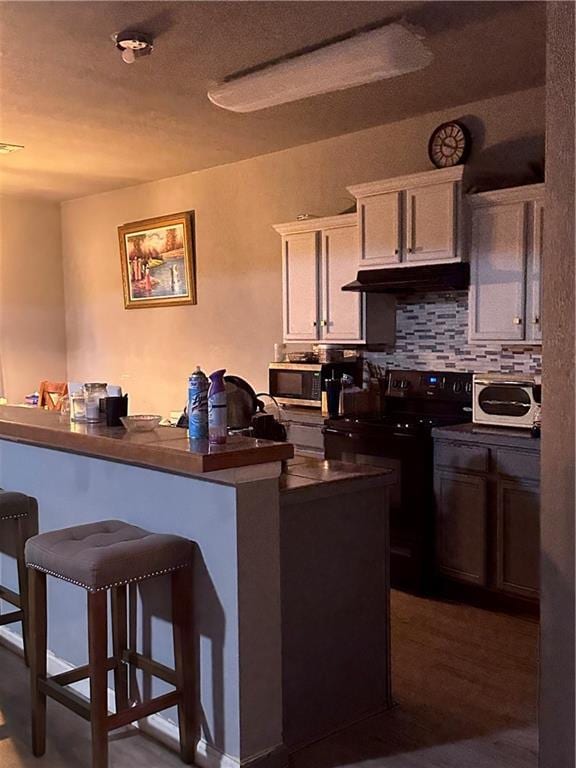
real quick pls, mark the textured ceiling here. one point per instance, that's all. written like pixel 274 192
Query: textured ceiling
pixel 91 123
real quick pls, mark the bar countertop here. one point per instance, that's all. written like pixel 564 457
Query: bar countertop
pixel 166 448
pixel 305 473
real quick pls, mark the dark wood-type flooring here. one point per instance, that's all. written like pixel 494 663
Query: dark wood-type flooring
pixel 465 682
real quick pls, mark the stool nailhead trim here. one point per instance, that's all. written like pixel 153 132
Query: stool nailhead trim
pixel 108 586
pixel 13 517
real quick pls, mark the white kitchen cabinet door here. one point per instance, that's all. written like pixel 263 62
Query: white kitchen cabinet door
pixel 380 229
pixel 341 318
pixel 534 283
pixel 300 284
pixel 431 225
pixel 498 273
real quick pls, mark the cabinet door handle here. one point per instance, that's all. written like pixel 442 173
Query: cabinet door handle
pixel 517 321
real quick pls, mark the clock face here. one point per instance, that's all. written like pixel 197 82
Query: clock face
pixel 449 145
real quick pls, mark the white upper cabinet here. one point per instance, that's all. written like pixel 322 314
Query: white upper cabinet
pixel 410 220
pixel 300 286
pixel 431 223
pixel 319 257
pixel 498 272
pixel 506 257
pixel 534 307
pixel 380 229
pixel 341 310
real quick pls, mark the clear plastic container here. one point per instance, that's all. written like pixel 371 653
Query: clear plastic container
pixel 77 407
pixel 93 393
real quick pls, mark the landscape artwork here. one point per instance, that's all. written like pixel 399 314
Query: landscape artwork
pixel 158 261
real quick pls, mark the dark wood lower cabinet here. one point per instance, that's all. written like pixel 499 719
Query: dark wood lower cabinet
pixel 488 518
pixel 461 526
pixel 518 537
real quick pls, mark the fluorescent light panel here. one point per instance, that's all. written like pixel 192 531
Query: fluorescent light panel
pixel 365 58
pixel 5 149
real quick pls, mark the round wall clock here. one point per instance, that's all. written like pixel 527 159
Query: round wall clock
pixel 449 145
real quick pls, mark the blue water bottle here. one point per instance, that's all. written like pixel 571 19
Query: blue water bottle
pixel 198 385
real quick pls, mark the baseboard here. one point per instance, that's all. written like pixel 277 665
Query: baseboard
pixel 160 728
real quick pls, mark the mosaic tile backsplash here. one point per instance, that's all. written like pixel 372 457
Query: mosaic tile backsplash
pixel 432 334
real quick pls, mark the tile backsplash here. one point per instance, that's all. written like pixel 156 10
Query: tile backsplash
pixel 432 334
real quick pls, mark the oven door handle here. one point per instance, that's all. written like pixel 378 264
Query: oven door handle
pixel 349 435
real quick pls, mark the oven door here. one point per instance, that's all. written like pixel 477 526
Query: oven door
pixel 505 404
pixel 411 495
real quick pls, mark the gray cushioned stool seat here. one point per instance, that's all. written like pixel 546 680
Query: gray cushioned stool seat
pixel 105 554
pixel 13 505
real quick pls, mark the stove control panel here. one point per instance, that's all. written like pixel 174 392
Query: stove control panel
pixel 437 385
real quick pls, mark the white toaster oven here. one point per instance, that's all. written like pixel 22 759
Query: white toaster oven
pixel 504 400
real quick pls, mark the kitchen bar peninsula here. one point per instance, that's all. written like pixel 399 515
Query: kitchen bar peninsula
pixel 290 575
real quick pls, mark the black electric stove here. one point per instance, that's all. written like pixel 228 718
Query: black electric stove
pixel 399 438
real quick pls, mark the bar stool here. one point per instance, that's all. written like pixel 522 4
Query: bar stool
pixel 101 557
pixel 18 518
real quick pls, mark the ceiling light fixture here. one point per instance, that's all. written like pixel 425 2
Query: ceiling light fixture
pixel 133 45
pixel 366 57
pixel 6 149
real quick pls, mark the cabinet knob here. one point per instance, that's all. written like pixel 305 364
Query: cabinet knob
pixel 314 323
pixel 324 323
pixel 396 251
pixel 409 250
pixel 536 320
pixel 517 321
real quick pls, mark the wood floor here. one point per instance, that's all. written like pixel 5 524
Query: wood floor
pixel 464 679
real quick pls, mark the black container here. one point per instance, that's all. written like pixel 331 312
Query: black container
pixel 114 408
pixel 333 390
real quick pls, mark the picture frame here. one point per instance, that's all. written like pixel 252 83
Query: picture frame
pixel 158 261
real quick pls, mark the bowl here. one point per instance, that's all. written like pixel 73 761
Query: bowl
pixel 143 423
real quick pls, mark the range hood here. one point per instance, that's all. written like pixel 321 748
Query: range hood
pixel 425 279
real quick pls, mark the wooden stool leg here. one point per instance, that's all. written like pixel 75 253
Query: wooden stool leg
pixel 184 660
pixel 97 660
pixel 37 601
pixel 120 644
pixel 23 586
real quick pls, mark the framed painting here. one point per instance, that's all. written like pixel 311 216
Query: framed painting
pixel 158 268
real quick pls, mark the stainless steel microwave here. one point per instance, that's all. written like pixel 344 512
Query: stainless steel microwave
pixel 303 383
pixel 505 400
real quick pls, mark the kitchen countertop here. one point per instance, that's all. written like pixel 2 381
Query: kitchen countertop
pixel 166 448
pixel 514 438
pixel 304 472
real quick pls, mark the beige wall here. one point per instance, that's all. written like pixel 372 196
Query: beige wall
pixel 32 328
pixel 238 317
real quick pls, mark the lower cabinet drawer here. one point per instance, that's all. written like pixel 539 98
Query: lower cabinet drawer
pixel 461 456
pixel 304 436
pixel 517 464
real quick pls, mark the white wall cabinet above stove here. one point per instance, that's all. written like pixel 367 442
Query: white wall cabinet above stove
pixel 410 220
pixel 319 256
pixel 506 262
